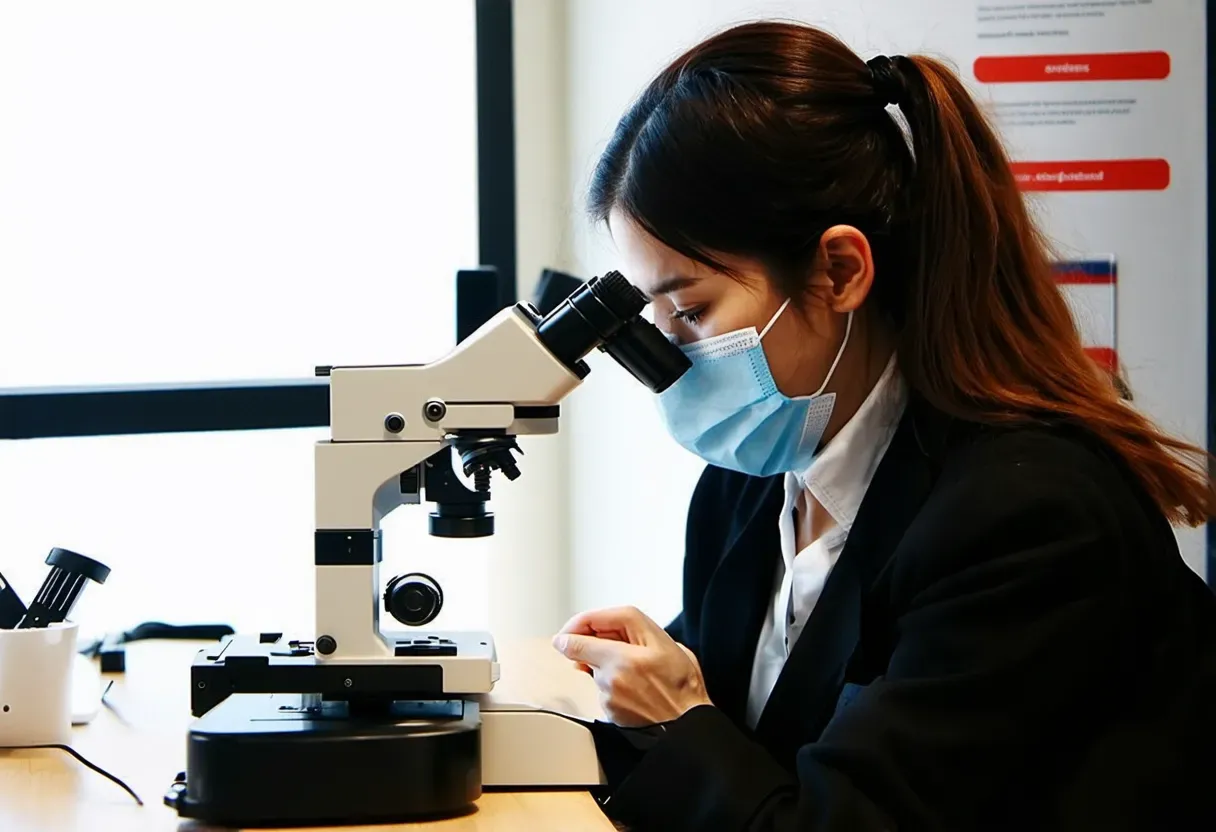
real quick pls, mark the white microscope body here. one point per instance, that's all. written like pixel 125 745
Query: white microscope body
pixel 488 385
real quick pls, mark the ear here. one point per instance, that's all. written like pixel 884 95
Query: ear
pixel 845 260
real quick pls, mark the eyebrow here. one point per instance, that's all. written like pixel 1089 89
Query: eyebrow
pixel 672 284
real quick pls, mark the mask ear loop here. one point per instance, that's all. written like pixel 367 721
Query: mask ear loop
pixel 848 326
pixel 773 319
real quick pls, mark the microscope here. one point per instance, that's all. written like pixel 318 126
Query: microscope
pixel 363 725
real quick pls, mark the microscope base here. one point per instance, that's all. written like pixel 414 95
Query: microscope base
pixel 276 759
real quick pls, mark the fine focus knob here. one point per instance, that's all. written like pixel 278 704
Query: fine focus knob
pixel 394 423
pixel 414 599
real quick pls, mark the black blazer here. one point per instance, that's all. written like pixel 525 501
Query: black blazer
pixel 1009 640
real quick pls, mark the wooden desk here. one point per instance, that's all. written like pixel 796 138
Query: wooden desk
pixel 45 790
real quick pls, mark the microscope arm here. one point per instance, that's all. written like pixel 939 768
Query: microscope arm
pixel 500 377
pixel 388 421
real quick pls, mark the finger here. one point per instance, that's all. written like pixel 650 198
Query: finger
pixel 577 624
pixel 631 622
pixel 596 652
pixel 585 668
pixel 584 624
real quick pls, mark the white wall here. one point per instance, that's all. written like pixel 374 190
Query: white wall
pixel 629 483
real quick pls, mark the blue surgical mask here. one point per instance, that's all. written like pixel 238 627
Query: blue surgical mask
pixel 727 409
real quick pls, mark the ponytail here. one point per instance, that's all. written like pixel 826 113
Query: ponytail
pixel 986 334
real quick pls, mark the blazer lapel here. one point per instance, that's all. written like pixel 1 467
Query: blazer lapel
pixel 804 697
pixel 736 599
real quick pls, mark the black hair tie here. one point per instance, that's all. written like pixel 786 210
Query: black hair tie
pixel 889 84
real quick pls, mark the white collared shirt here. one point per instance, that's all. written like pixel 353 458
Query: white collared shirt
pixel 838 478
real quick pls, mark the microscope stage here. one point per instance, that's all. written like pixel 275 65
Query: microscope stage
pixel 428 665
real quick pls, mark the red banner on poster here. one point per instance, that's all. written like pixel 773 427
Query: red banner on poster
pixel 1101 175
pixel 1104 357
pixel 1109 66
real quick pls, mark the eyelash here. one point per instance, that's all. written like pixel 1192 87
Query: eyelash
pixel 690 316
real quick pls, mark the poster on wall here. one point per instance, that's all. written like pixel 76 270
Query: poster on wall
pixel 1085 81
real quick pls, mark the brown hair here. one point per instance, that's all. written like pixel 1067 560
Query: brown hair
pixel 759 139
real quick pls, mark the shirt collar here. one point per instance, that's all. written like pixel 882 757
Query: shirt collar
pixel 841 472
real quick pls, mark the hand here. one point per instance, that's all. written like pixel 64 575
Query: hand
pixel 644 676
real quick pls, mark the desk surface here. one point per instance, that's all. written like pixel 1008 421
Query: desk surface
pixel 143 741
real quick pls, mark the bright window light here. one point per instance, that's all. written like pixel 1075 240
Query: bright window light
pixel 221 190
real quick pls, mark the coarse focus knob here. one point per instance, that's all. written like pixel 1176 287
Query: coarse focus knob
pixel 414 599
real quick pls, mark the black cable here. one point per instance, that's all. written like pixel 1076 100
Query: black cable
pixel 147 630
pixel 110 650
pixel 159 630
pixel 96 768
pixel 110 705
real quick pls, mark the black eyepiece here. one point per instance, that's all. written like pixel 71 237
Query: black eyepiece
pixel 605 312
pixel 618 294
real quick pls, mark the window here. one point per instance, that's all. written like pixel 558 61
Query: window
pixel 214 191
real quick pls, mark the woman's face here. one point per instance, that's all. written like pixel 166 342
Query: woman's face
pixel 692 302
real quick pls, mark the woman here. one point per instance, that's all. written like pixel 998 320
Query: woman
pixel 930 580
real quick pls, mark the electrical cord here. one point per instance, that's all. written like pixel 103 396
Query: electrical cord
pixel 110 650
pixel 80 759
pixel 93 766
pixel 111 645
pixel 148 630
pixel 106 703
pixel 160 630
